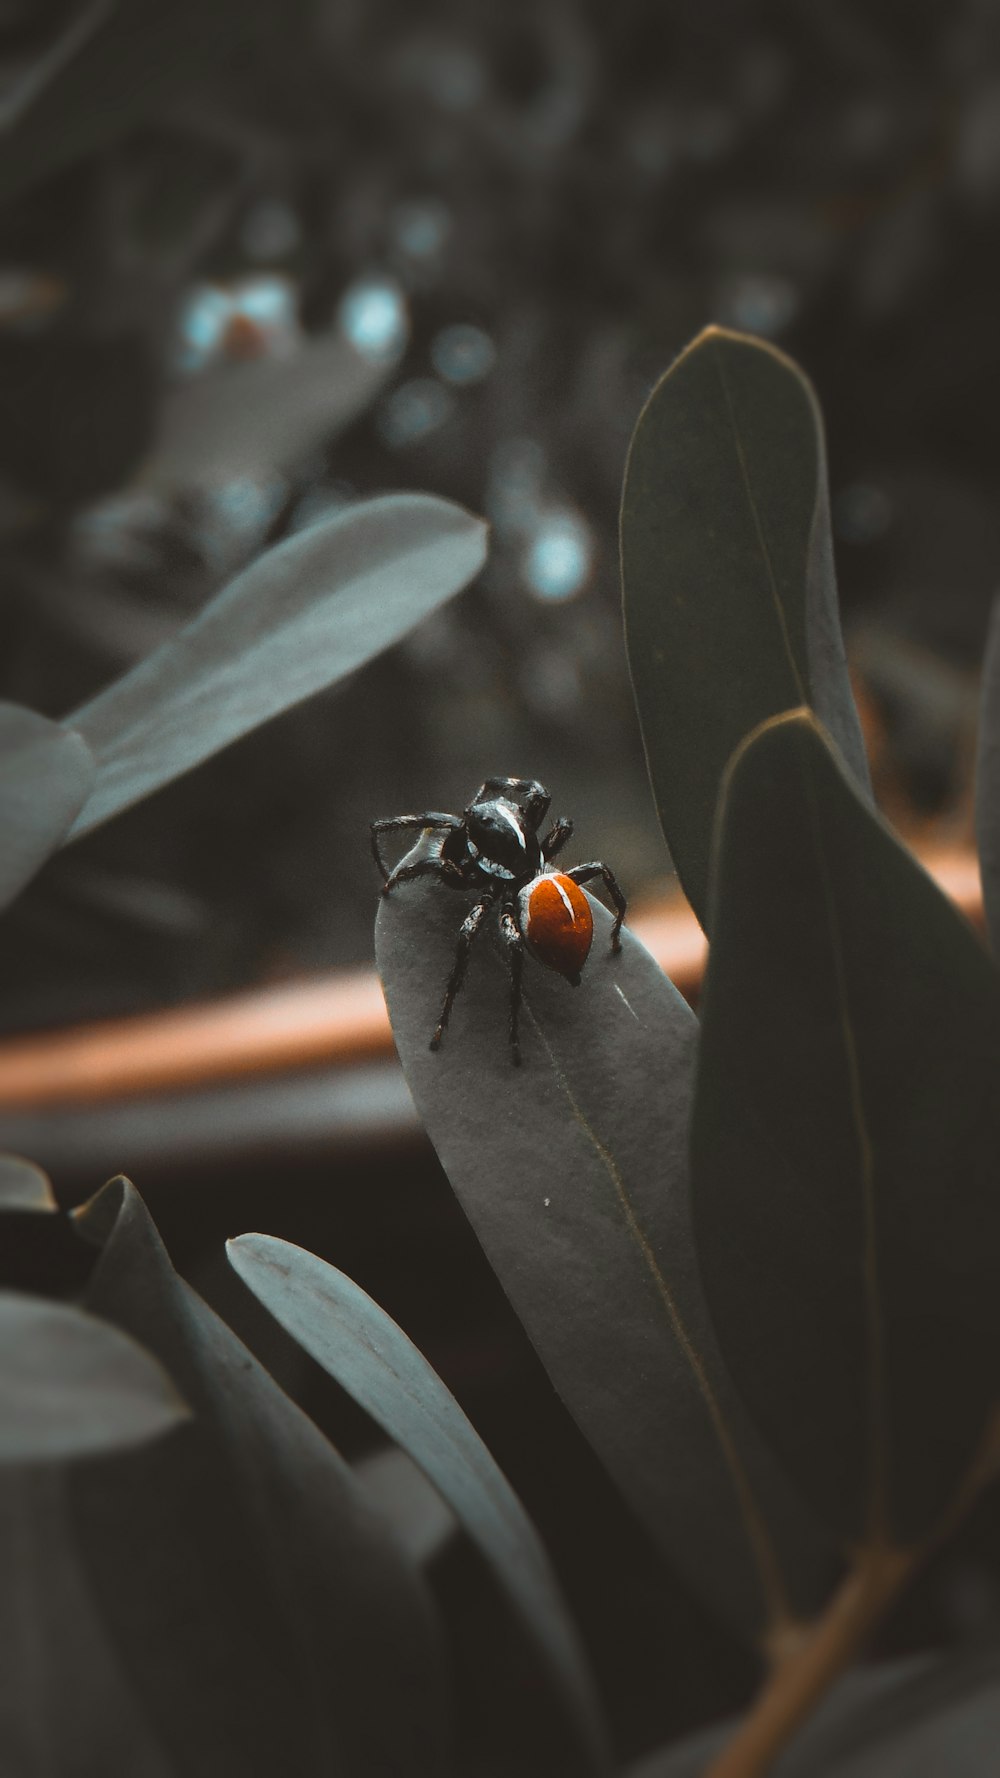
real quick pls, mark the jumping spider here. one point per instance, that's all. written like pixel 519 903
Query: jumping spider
pixel 493 849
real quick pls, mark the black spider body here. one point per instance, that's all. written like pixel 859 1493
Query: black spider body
pixel 493 851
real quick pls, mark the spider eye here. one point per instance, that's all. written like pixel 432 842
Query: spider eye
pixel 557 922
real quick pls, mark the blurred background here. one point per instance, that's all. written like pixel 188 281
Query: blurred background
pixel 259 260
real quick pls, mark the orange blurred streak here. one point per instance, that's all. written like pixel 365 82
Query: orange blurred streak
pixel 334 1019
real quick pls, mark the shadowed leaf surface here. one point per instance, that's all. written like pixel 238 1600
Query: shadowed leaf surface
pixel 844 1142
pixel 45 777
pixel 573 1172
pixel 921 1718
pixel 71 1385
pixel 23 1186
pixel 299 619
pixel 369 1356
pixel 266 1620
pixel 727 571
pixel 988 781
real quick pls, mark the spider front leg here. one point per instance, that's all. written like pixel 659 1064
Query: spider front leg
pixel 396 824
pixel 467 932
pixel 585 873
pixel 513 945
pixel 556 838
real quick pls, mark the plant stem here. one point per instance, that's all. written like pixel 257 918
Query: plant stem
pixel 807 1670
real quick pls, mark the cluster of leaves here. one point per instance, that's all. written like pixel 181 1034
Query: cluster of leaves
pixel 757 1252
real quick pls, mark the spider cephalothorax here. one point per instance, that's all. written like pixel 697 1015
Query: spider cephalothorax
pixel 493 849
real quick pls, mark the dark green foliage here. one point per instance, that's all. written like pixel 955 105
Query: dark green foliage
pixel 845 1133
pixel 357 1343
pixel 573 1172
pixel 727 570
pixel 262 1614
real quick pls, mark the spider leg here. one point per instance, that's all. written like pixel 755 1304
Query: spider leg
pixel 424 867
pixel 513 944
pixel 396 823
pixel 467 932
pixel 585 873
pixel 556 837
pixel 532 796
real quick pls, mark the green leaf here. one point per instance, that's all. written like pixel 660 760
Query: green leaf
pixel 45 777
pixel 988 780
pixel 253 420
pixel 299 619
pixel 727 571
pixel 23 1186
pixel 71 1385
pixel 844 1142
pixel 380 1368
pixel 267 1621
pixel 573 1172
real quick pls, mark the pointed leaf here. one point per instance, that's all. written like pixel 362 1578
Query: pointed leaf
pixel 45 777
pixel 727 572
pixel 268 1622
pixel 988 781
pixel 23 1186
pixel 300 618
pixel 573 1172
pixel 369 1356
pixel 71 1385
pixel 844 1142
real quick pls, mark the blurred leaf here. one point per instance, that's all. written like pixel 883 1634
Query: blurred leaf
pixel 844 1142
pixel 71 1385
pixel 252 420
pixel 920 1718
pixel 573 1172
pixel 108 72
pixel 988 780
pixel 727 571
pixel 300 618
pixel 380 1368
pixel 45 777
pixel 23 1186
pixel 268 1622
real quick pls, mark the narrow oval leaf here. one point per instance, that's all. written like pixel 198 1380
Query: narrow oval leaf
pixel 988 780
pixel 844 1142
pixel 46 773
pixel 573 1172
pixel 300 618
pixel 727 574
pixel 23 1186
pixel 250 421
pixel 381 1369
pixel 268 1621
pixel 71 1385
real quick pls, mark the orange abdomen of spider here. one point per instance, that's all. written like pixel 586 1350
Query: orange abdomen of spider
pixel 556 921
